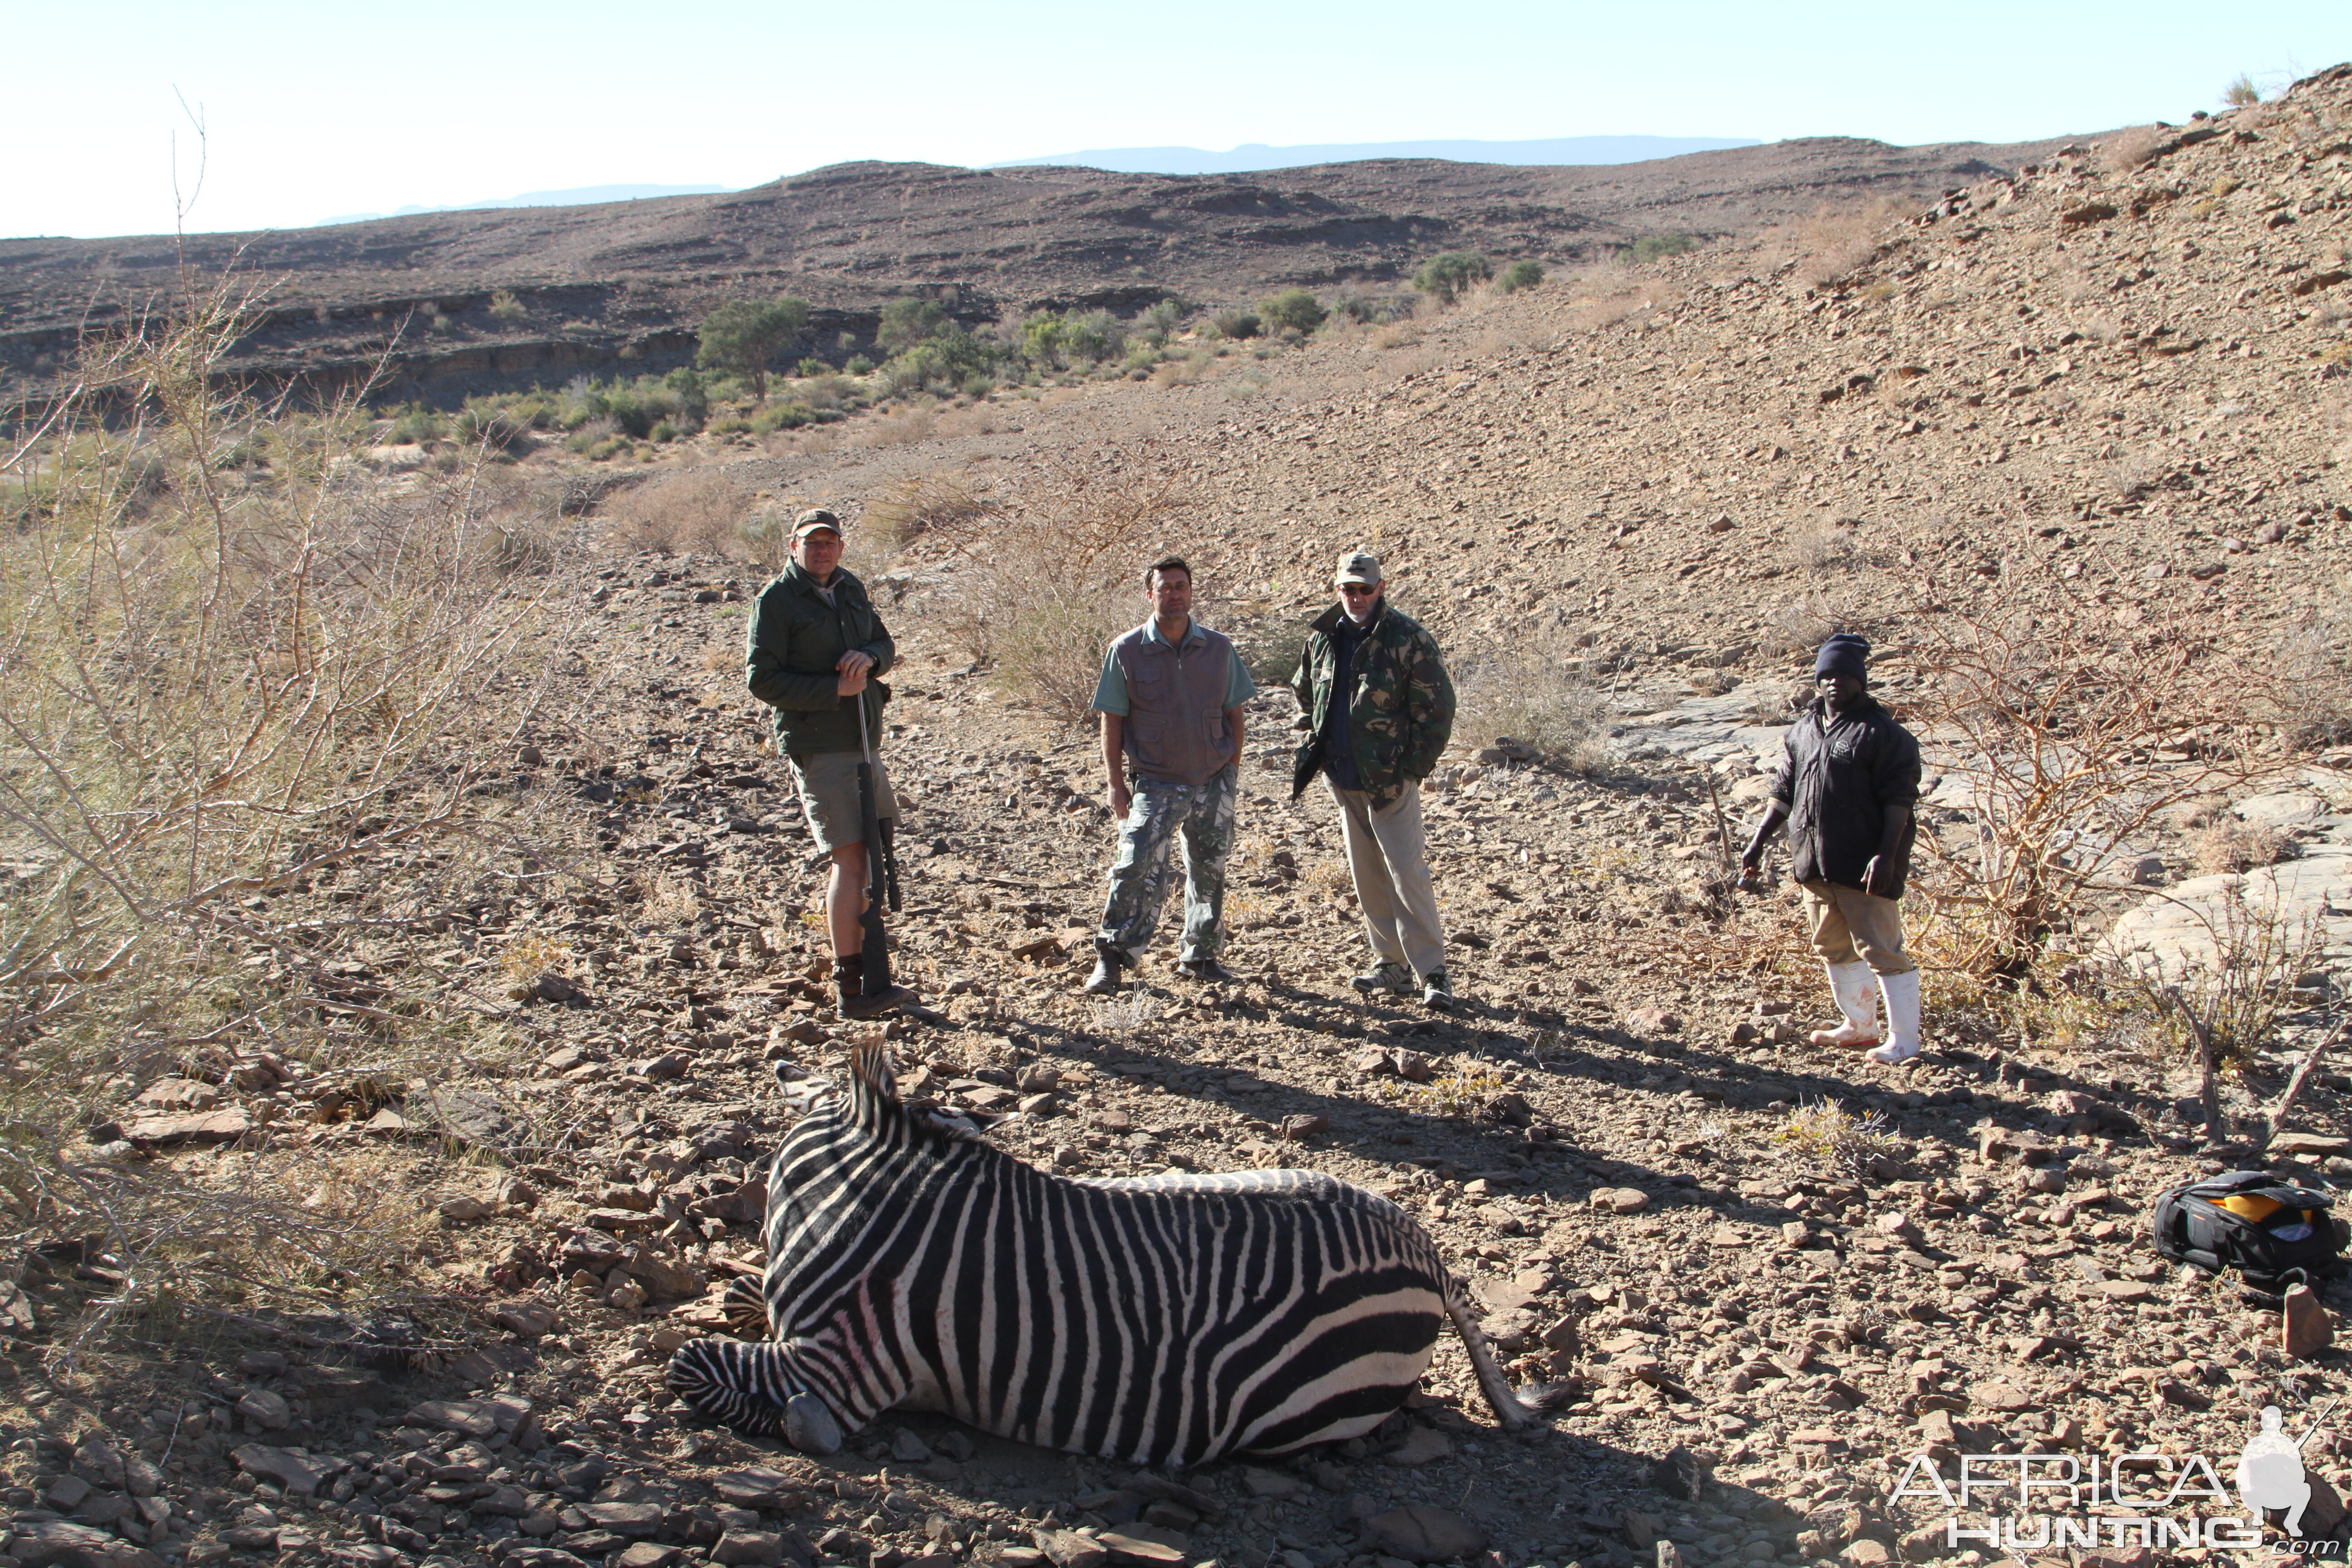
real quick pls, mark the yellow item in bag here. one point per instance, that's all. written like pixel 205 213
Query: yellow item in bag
pixel 2250 1206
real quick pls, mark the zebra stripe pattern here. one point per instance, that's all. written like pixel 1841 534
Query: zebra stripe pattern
pixel 1165 1319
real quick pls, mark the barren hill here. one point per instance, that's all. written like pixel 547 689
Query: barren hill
pixel 621 285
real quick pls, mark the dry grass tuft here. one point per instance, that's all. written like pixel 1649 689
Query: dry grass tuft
pixel 696 510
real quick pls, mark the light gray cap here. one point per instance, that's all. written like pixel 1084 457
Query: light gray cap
pixel 1359 567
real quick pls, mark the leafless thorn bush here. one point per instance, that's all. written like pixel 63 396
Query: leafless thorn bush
pixel 246 722
pixel 1536 688
pixel 1046 574
pixel 2071 739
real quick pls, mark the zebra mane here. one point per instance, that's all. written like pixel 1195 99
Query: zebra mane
pixel 876 1109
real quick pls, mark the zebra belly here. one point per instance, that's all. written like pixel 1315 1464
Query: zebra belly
pixel 1171 1328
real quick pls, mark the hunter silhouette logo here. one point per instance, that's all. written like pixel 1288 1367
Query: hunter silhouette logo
pixel 2270 1471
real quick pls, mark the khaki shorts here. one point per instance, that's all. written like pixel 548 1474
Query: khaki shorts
pixel 828 787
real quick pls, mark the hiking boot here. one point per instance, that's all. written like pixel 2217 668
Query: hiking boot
pixel 1436 991
pixel 849 991
pixel 1104 978
pixel 1391 977
pixel 1207 970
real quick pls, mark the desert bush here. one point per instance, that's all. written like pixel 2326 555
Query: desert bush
pixel 811 366
pixel 701 508
pixel 783 417
pixel 1656 246
pixel 1160 323
pixel 858 364
pixel 2228 845
pixel 1045 574
pixel 1293 310
pixel 742 335
pixel 906 322
pixel 247 731
pixel 2309 694
pixel 1092 336
pixel 950 500
pixel 1236 325
pixel 1444 278
pixel 1520 275
pixel 506 308
pixel 1537 688
pixel 416 425
pixel 2241 92
pixel 2069 742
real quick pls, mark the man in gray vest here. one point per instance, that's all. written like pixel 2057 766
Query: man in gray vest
pixel 1170 698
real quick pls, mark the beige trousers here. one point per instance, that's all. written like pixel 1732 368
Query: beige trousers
pixel 1846 924
pixel 1390 859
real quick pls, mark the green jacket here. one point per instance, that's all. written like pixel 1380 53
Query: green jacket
pixel 1399 716
pixel 795 640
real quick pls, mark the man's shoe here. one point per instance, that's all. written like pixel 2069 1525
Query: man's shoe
pixel 1104 978
pixel 1394 978
pixel 889 999
pixel 849 991
pixel 1207 970
pixel 1436 991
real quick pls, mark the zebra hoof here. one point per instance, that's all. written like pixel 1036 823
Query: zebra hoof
pixel 810 1426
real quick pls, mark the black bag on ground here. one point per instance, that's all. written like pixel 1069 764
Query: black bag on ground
pixel 2273 1231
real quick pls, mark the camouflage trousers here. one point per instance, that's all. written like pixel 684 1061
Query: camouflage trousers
pixel 1203 815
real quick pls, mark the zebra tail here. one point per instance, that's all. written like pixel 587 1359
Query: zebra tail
pixel 1516 1411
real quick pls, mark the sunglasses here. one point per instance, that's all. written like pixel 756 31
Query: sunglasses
pixel 1359 590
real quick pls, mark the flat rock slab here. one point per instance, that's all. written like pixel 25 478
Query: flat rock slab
pixel 634 1520
pixel 296 1474
pixel 222 1126
pixel 758 1488
pixel 1423 1534
pixel 474 1418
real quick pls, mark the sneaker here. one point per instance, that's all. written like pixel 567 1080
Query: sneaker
pixel 1207 970
pixel 1436 991
pixel 1391 977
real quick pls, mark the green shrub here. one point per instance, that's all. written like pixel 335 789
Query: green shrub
pixel 1447 277
pixel 1235 323
pixel 609 448
pixel 784 416
pixel 505 307
pixel 415 423
pixel 1095 335
pixel 811 366
pixel 1651 247
pixel 692 395
pixel 480 424
pixel 742 335
pixel 860 365
pixel 1293 310
pixel 733 425
pixel 1520 275
pixel 2241 92
pixel 978 385
pixel 1160 323
pixel 906 322
pixel 662 430
pixel 1356 307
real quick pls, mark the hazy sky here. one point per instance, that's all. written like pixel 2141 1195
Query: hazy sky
pixel 329 107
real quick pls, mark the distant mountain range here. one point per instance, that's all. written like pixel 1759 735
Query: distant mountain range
pixel 1255 156
pixel 578 197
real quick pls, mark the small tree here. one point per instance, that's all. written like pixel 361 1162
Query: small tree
pixel 1521 275
pixel 1292 308
pixel 906 322
pixel 2241 92
pixel 743 335
pixel 1445 277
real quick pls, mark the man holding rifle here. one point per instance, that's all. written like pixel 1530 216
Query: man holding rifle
pixel 1846 786
pixel 814 654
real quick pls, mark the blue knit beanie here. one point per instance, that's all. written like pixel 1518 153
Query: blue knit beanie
pixel 1844 654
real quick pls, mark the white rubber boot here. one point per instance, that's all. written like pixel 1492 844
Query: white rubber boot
pixel 1902 1018
pixel 1857 1002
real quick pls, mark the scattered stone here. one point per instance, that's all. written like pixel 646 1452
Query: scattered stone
pixel 289 1472
pixel 2304 1326
pixel 471 1417
pixel 770 1491
pixel 749 1548
pixel 1652 1021
pixel 1678 1473
pixel 1263 1483
pixel 266 1410
pixel 224 1126
pixel 1423 1534
pixel 1619 1200
pixel 1068 1549
pixel 1422 1446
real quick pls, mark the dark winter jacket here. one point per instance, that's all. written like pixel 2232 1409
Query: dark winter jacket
pixel 794 642
pixel 1400 711
pixel 1838 776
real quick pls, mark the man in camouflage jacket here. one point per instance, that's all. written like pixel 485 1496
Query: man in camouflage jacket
pixel 1374 696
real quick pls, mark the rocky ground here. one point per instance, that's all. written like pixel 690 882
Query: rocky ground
pixel 2101 388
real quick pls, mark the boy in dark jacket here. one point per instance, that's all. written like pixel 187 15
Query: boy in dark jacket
pixel 1846 786
pixel 814 649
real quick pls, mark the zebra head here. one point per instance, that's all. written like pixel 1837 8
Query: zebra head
pixel 752 1388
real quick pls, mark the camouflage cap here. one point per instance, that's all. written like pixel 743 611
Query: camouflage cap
pixel 1359 567
pixel 811 521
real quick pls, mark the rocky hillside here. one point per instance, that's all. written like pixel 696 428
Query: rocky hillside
pixel 621 286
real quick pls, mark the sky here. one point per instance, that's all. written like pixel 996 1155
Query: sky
pixel 328 107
